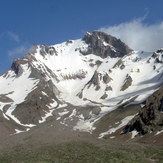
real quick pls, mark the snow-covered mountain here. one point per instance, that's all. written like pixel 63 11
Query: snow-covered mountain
pixel 77 82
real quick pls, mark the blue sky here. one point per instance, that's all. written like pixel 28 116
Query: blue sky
pixel 27 22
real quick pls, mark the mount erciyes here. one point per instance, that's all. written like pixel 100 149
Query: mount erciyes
pixel 96 84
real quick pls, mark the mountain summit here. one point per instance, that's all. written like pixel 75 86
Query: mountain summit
pixel 104 45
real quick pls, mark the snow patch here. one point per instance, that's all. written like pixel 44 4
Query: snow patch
pixel 112 130
pixel 112 137
pixel 63 113
pixel 134 133
pixel 159 132
pixel 48 114
pixel 44 93
pixel 86 125
pixel 5 116
pixel 18 131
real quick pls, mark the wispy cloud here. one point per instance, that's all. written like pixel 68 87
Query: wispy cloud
pixel 138 35
pixel 13 36
pixel 18 51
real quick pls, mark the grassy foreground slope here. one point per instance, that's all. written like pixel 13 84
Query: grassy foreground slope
pixel 82 152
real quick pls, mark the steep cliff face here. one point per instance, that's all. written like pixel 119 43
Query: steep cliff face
pixel 17 66
pixel 104 45
pixel 150 117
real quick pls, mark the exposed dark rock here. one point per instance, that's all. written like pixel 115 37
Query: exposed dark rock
pixel 104 45
pixel 127 83
pixel 91 60
pixel 157 57
pixel 92 64
pixel 150 117
pixel 148 61
pixel 80 94
pixel 104 96
pixel 17 66
pixel 95 80
pixel 108 88
pixel 40 74
pixel 36 104
pixel 31 111
pixel 30 57
pixel 154 67
pixel 138 70
pixel 79 75
pixel 47 50
pixel 119 63
pixel 44 49
pixel 54 89
pixel 122 66
pixel 89 112
pixel 69 42
pixel 96 110
pixel 154 55
pixel 5 99
pixel 110 70
pixel 98 62
pixel 157 60
pixel 160 51
pixel 106 78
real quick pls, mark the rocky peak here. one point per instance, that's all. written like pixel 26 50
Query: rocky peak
pixel 43 50
pixel 16 66
pixel 160 50
pixel 157 56
pixel 103 45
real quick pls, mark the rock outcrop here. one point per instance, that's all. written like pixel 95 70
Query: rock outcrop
pixel 104 45
pixel 127 83
pixel 150 117
pixel 16 66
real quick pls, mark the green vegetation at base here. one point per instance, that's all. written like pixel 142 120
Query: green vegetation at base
pixel 80 153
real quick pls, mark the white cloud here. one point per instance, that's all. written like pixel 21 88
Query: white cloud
pixel 13 36
pixel 18 51
pixel 138 35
